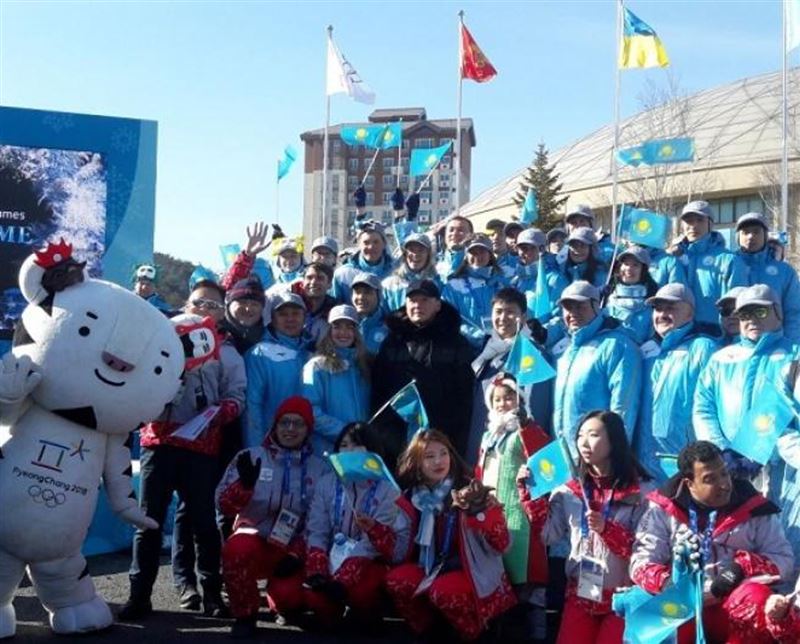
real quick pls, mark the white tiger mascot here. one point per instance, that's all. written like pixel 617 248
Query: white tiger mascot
pixel 90 362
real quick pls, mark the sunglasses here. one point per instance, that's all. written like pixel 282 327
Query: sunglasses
pixel 727 310
pixel 753 313
pixel 203 303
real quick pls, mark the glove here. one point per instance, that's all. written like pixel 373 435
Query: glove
pixel 538 332
pixel 288 566
pixel 730 576
pixel 686 548
pixel 739 466
pixel 397 199
pixel 473 498
pixel 316 582
pixel 360 195
pixel 412 206
pixel 277 233
pixel 248 471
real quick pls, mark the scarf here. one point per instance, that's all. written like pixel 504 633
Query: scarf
pixel 494 352
pixel 500 424
pixel 483 273
pixel 429 502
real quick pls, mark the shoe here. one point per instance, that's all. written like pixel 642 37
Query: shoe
pixel 134 610
pixel 244 628
pixel 190 598
pixel 214 607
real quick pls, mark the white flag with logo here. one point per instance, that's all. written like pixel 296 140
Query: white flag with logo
pixel 344 79
pixel 792 24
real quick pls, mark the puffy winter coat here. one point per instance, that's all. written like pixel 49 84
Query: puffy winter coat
pixel 471 295
pixel 665 269
pixel 274 367
pixel 525 282
pixel 344 275
pixel 373 330
pixel 508 263
pixel 447 262
pixel 337 398
pixel 626 303
pixel 575 272
pixel 763 268
pixel 671 368
pixel 597 367
pixel 393 288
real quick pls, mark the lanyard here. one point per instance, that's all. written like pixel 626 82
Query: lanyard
pixel 287 477
pixel 605 509
pixel 706 536
pixel 338 503
pixel 448 535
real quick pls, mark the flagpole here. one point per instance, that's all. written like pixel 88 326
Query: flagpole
pixel 784 133
pixel 389 402
pixel 617 81
pixel 400 155
pixel 325 140
pixel 424 183
pixel 278 195
pixel 458 113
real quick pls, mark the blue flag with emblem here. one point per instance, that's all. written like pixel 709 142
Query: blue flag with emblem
pixel 408 404
pixel 378 136
pixel 352 467
pixel 229 253
pixel 285 163
pixel 526 363
pixel 423 160
pixel 657 152
pixel 542 304
pixel 645 227
pixel 549 467
pixel 529 212
pixel 762 427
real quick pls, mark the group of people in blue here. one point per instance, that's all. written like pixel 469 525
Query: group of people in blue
pixel 668 361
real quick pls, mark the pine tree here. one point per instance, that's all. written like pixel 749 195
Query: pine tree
pixel 543 179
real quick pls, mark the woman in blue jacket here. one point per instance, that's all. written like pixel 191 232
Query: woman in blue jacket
pixel 417 263
pixel 336 379
pixel 471 288
pixel 631 284
pixel 582 259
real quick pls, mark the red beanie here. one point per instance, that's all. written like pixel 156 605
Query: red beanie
pixel 296 405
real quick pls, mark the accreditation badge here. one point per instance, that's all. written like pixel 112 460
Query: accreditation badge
pixel 285 527
pixel 591 575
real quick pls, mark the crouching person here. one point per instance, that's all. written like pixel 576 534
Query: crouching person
pixel 737 535
pixel 269 490
pixel 350 542
pixel 454 571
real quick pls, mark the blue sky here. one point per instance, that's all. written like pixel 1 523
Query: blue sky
pixel 231 83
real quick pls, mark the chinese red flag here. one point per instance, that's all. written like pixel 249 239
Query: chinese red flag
pixel 474 65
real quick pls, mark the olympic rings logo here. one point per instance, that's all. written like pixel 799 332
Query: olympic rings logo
pixel 47 496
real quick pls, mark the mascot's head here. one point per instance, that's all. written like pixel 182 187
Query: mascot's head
pixel 109 359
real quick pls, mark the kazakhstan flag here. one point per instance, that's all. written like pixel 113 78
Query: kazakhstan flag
pixel 229 253
pixel 645 227
pixel 352 467
pixel 526 363
pixel 641 47
pixel 658 151
pixel 762 427
pixel 373 136
pixel 549 468
pixel 423 160
pixel 656 619
pixel 530 208
pixel 285 164
pixel 408 404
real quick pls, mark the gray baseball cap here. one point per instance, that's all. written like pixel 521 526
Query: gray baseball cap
pixel 585 235
pixel 326 242
pixel 556 232
pixel 286 298
pixel 637 252
pixel 701 208
pixel 373 281
pixel 580 291
pixel 673 292
pixel 751 218
pixel 580 210
pixel 418 238
pixel 343 312
pixel 732 294
pixel 480 241
pixel 757 295
pixel 287 244
pixel 532 236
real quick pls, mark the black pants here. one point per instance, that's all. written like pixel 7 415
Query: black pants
pixel 164 470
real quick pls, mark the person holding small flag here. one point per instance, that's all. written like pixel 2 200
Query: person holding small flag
pixel 350 538
pixel 372 257
pixel 416 263
pixel 732 530
pixel 454 533
pixel 530 247
pixel 598 512
pixel 630 286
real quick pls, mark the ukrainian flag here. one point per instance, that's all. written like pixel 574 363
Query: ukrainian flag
pixel 641 47
pixel 352 467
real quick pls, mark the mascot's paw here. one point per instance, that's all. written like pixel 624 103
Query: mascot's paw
pixel 93 615
pixel 136 517
pixel 8 621
pixel 18 378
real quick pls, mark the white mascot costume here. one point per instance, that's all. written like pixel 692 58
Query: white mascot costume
pixel 91 361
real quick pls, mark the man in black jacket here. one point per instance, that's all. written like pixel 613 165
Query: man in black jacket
pixel 424 344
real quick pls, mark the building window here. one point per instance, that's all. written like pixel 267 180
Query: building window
pixel 404 180
pixel 337 146
pixel 406 144
pixel 443 212
pixel 370 198
pixel 387 198
pixel 352 164
pixel 388 181
pixel 335 181
pixel 424 216
pixel 424 143
pixel 387 216
pixel 388 163
pixel 352 183
pixel 370 182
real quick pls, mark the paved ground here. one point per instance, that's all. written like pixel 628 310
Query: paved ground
pixel 168 624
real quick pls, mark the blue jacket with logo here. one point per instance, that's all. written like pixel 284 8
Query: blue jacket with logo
pixel 671 370
pixel 373 330
pixel 393 288
pixel 471 295
pixel 597 367
pixel 344 275
pixel 763 268
pixel 627 304
pixel 665 269
pixel 525 282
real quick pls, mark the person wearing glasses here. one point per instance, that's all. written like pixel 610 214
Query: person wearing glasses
pixel 729 323
pixel 739 375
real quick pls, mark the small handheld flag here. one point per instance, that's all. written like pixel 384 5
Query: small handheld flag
pixel 342 77
pixel 229 253
pixel 550 467
pixel 424 160
pixel 543 305
pixel 657 618
pixel 530 208
pixel 474 64
pixel 355 466
pixel 641 46
pixel 526 363
pixel 285 164
pixel 408 404
pixel 659 151
pixel 645 227
pixel 762 427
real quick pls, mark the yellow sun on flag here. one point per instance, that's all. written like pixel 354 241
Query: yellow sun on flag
pixel 372 464
pixel 666 151
pixel 673 610
pixel 763 423
pixel 431 160
pixel 636 155
pixel 547 469
pixel 527 362
pixel 388 136
pixel 361 133
pixel 643 226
